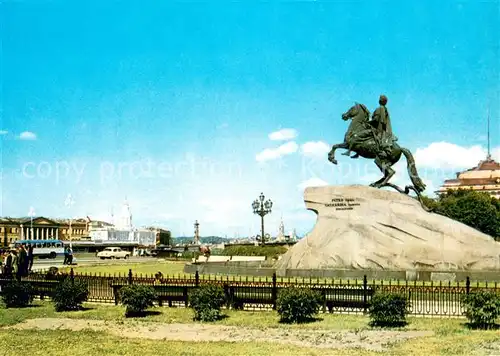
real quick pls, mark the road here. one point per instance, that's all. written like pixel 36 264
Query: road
pixel 85 260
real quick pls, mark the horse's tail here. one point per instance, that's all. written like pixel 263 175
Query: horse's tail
pixel 412 171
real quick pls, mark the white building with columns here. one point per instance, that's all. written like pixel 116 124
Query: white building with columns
pixel 122 230
pixel 42 228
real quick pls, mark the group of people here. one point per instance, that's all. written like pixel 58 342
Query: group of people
pixel 16 262
pixel 68 256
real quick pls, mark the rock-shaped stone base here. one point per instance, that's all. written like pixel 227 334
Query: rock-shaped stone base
pixel 360 227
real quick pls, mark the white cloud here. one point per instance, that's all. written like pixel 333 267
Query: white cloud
pixel 449 155
pixel 495 154
pixel 303 216
pixel 274 153
pixel 27 135
pixel 283 135
pixel 107 217
pixel 315 149
pixel 430 187
pixel 3 132
pixel 167 216
pixel 312 182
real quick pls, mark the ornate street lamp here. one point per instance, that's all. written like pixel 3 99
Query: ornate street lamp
pixel 196 233
pixel 262 208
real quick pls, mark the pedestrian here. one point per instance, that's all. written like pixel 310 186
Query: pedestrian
pixel 15 264
pixel 66 255
pixel 3 258
pixel 8 264
pixel 30 257
pixel 22 261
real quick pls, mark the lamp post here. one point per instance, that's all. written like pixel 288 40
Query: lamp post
pixel 196 233
pixel 262 208
pixel 69 202
pixel 31 214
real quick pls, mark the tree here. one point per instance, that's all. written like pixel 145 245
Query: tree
pixel 165 237
pixel 475 209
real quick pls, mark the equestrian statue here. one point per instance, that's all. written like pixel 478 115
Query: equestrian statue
pixel 374 139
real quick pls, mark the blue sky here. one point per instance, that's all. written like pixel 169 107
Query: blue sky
pixel 174 106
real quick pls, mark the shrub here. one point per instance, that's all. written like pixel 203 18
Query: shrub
pixel 52 274
pixel 268 251
pixel 70 295
pixel 388 309
pixel 482 308
pixel 297 305
pixel 137 298
pixel 17 294
pixel 206 302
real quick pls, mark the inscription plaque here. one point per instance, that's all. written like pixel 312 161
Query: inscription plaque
pixel 344 203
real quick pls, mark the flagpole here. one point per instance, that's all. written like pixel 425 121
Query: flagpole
pixel 69 202
pixel 489 148
pixel 31 214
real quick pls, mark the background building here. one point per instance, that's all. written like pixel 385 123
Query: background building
pixel 122 230
pixel 282 237
pixel 83 231
pixel 485 177
pixel 42 228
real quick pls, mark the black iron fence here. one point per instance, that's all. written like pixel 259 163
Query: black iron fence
pixel 338 296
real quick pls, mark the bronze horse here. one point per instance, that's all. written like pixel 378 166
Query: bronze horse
pixel 360 138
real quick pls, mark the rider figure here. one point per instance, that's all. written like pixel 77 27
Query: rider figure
pixel 381 122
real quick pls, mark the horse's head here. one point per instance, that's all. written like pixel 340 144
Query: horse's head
pixel 355 111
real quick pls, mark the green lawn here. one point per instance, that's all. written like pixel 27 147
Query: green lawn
pixel 451 337
pixel 85 343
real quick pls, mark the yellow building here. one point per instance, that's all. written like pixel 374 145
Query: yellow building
pixel 485 177
pixel 80 229
pixel 41 228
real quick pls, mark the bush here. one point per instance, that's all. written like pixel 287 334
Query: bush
pixel 70 295
pixel 297 305
pixel 17 294
pixel 52 274
pixel 137 298
pixel 206 302
pixel 476 209
pixel 268 251
pixel 482 308
pixel 388 309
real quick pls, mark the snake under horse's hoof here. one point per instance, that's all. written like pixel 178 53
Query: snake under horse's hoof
pixel 407 191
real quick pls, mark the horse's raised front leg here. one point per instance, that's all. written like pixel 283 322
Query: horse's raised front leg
pixel 385 168
pixel 331 154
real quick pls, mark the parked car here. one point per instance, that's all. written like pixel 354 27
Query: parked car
pixel 113 252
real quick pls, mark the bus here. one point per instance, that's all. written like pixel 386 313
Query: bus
pixel 43 248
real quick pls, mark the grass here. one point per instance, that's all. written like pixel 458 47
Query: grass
pixel 173 315
pixel 84 343
pixel 451 336
pixel 258 319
